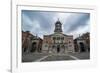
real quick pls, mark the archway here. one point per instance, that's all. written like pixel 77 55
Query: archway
pixel 33 49
pixel 82 47
pixel 58 48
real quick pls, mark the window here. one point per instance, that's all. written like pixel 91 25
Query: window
pixel 62 38
pixel 58 38
pixel 54 38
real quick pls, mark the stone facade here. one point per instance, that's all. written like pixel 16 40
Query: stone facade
pixel 31 43
pixel 36 45
pixel 58 42
pixel 55 43
pixel 82 43
pixel 26 41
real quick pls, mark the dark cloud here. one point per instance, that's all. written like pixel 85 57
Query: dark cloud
pixel 76 21
pixel 42 22
pixel 44 18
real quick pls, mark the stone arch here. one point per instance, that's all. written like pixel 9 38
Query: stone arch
pixel 33 49
pixel 82 47
pixel 58 48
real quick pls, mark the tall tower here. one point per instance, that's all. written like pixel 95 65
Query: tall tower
pixel 58 27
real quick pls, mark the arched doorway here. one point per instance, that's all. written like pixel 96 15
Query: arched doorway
pixel 58 48
pixel 33 49
pixel 82 47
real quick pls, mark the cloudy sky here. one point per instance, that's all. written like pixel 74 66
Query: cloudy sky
pixel 43 23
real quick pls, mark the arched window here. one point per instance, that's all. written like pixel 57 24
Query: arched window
pixel 58 38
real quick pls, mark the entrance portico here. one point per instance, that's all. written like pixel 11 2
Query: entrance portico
pixel 58 42
pixel 58 48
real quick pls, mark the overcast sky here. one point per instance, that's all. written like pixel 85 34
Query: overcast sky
pixel 43 23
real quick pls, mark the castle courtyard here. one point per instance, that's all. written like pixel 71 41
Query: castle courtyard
pixel 36 57
pixel 55 40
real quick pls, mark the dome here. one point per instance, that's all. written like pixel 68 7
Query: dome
pixel 58 26
pixel 58 22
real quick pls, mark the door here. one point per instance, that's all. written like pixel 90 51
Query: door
pixel 33 49
pixel 58 48
pixel 82 47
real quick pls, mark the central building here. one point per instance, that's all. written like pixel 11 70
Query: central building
pixel 58 42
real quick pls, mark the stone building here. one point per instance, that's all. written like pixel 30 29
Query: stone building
pixel 58 42
pixel 36 44
pixel 26 41
pixel 30 43
pixel 82 43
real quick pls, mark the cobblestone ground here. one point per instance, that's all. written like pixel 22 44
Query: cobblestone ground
pixel 81 56
pixel 32 57
pixel 57 57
